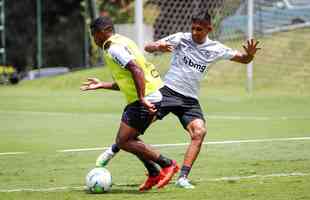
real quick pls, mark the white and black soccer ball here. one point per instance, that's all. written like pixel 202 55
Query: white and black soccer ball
pixel 99 180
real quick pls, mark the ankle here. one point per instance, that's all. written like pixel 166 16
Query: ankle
pixel 185 170
pixel 115 148
pixel 162 161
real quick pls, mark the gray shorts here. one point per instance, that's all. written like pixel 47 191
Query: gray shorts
pixel 185 108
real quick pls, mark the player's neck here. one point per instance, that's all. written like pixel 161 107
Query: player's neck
pixel 202 41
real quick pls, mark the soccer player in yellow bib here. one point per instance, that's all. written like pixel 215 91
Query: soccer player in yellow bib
pixel 140 82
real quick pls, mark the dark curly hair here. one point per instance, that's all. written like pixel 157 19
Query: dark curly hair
pixel 202 15
pixel 101 23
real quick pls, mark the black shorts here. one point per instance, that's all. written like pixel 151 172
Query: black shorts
pixel 185 108
pixel 137 116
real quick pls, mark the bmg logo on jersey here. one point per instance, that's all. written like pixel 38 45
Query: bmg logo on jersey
pixel 188 61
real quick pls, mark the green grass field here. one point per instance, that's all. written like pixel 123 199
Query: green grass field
pixel 41 118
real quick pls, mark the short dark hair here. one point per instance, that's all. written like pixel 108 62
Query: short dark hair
pixel 100 24
pixel 202 15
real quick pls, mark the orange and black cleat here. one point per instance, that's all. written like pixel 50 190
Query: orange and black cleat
pixel 149 183
pixel 167 173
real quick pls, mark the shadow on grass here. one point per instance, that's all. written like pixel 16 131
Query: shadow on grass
pixel 122 189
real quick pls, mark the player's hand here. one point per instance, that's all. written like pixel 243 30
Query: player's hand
pixel 151 107
pixel 251 47
pixel 165 47
pixel 91 84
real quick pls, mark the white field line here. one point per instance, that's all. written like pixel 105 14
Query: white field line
pixel 176 144
pixel 69 114
pixel 231 178
pixel 11 153
pixel 52 189
pixel 82 149
pixel 206 143
pixel 257 118
pixel 236 178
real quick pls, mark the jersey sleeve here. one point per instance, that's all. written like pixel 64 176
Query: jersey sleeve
pixel 226 52
pixel 173 39
pixel 120 54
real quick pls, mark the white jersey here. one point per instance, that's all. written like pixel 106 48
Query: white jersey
pixel 190 62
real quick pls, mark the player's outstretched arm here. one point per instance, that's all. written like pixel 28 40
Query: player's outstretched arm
pixel 94 84
pixel 250 51
pixel 158 46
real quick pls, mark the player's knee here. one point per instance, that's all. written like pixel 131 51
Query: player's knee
pixel 198 134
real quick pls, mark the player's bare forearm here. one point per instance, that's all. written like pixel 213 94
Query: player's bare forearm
pixel 109 86
pixel 151 47
pixel 138 77
pixel 160 46
pixel 94 84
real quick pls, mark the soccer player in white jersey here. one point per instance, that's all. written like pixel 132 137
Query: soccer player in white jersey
pixel 139 81
pixel 193 53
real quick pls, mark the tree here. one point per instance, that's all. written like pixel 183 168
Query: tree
pixel 63 33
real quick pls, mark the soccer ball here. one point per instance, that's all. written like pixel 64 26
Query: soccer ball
pixel 99 180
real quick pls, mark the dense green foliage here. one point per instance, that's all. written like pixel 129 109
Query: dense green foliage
pixel 63 33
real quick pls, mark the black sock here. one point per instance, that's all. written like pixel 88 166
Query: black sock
pixel 151 167
pixel 163 161
pixel 115 148
pixel 185 171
